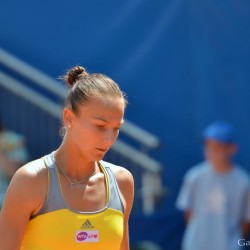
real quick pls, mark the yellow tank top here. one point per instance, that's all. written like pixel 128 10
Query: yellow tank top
pixel 57 227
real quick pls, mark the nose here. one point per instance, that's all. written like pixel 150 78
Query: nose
pixel 110 137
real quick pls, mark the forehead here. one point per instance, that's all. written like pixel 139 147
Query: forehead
pixel 216 144
pixel 108 108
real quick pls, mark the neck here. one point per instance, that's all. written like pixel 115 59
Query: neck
pixel 222 167
pixel 72 162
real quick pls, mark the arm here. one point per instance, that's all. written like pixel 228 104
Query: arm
pixel 185 200
pixel 126 185
pixel 22 200
pixel 188 215
pixel 245 229
pixel 245 224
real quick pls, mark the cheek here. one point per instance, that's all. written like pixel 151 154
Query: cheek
pixel 84 134
pixel 94 136
pixel 215 154
pixel 211 152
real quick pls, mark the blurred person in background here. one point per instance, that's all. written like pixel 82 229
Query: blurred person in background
pixel 216 195
pixel 13 154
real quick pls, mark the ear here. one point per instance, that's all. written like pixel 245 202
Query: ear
pixel 68 116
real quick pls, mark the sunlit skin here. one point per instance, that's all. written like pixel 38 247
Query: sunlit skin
pixel 89 135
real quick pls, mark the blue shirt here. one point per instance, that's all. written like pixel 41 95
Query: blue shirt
pixel 219 203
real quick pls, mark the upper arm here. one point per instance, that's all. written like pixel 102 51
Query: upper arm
pixel 246 205
pixel 245 224
pixel 126 186
pixel 20 202
pixel 185 199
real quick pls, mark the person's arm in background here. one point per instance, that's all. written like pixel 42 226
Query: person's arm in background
pixel 245 225
pixel 188 215
pixel 185 199
pixel 245 229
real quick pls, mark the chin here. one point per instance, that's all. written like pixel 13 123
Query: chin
pixel 98 157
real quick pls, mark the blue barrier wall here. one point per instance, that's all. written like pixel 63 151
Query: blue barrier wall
pixel 182 63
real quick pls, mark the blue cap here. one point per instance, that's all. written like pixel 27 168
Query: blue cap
pixel 220 131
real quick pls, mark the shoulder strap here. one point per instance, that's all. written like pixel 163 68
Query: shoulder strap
pixel 54 200
pixel 115 201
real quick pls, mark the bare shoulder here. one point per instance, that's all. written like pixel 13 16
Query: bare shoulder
pixel 125 182
pixel 31 179
pixel 32 171
pixel 24 197
pixel 122 175
pixel 29 185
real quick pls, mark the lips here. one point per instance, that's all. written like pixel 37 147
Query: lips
pixel 102 150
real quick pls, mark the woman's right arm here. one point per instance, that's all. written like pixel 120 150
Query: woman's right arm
pixel 24 197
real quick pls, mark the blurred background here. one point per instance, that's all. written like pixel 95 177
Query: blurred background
pixel 183 64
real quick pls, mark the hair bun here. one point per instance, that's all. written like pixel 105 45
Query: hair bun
pixel 74 74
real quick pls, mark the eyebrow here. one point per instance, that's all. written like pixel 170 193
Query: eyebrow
pixel 102 119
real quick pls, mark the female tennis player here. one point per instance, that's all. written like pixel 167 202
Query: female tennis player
pixel 71 199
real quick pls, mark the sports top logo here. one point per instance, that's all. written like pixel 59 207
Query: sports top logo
pixel 87 236
pixel 87 225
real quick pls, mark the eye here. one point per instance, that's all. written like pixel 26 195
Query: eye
pixel 100 126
